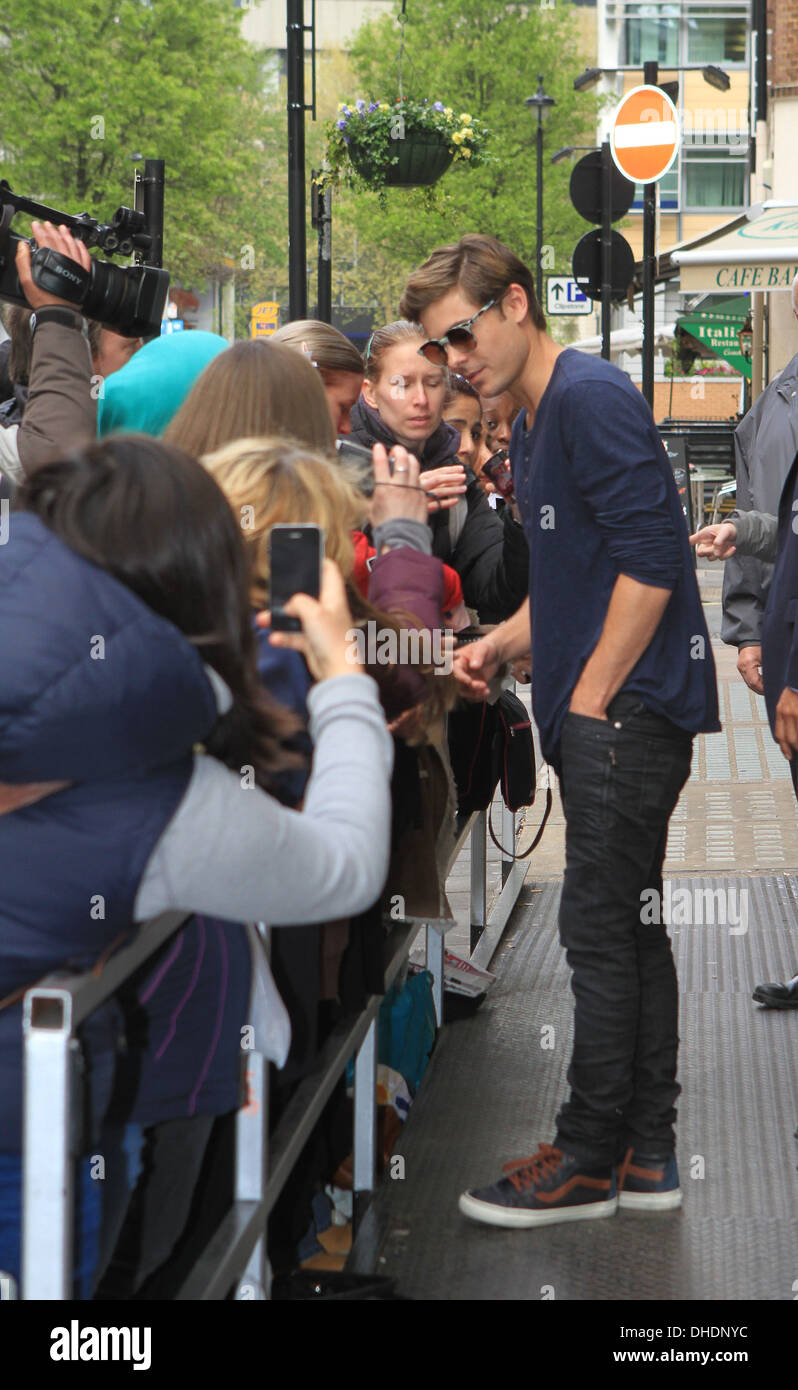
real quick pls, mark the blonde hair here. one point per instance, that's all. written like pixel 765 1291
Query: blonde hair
pixel 254 388
pixel 270 481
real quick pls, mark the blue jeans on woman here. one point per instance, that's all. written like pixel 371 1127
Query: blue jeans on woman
pixel 620 780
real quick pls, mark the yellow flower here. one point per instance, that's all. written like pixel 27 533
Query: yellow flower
pixel 384 106
pixel 466 118
pixel 468 134
pixel 447 110
pixel 466 154
pixel 458 137
pixel 341 105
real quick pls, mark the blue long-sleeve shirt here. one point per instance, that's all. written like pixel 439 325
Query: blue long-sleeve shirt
pixel 598 499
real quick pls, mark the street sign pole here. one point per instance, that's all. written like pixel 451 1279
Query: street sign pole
pixel 606 248
pixel 651 79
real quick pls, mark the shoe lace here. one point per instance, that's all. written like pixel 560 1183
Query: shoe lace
pixel 524 1173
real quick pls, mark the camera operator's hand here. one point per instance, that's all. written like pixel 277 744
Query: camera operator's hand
pixel 57 239
pixel 399 495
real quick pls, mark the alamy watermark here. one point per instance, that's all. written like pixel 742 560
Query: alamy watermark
pixel 696 907
pixel 408 646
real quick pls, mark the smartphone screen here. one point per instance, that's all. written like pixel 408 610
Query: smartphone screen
pixel 295 556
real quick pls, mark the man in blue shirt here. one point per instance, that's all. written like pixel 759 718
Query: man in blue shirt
pixel 622 678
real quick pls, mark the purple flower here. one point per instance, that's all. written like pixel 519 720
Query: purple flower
pixel 373 105
pixel 361 106
pixel 341 125
pixel 437 105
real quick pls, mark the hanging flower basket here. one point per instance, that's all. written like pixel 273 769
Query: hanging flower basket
pixel 407 144
pixel 420 159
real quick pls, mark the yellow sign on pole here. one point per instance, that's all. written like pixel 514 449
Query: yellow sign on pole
pixel 265 318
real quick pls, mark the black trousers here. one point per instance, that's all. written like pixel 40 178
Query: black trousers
pixel 620 781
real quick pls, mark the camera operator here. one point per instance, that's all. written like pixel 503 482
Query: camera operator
pixel 60 410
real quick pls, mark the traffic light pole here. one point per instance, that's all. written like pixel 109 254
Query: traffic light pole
pixel 651 78
pixel 606 248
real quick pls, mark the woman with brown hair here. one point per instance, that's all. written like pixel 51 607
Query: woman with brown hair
pixel 338 361
pixel 252 389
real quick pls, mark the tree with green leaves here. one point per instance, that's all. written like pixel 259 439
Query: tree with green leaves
pixel 87 85
pixel 480 57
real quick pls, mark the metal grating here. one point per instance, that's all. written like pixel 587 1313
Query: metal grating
pixel 492 1093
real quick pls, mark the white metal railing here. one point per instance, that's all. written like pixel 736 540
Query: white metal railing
pixel 235 1257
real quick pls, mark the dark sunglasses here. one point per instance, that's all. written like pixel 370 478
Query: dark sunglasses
pixel 460 336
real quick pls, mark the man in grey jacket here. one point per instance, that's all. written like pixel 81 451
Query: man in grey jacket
pixel 765 444
pixel 61 409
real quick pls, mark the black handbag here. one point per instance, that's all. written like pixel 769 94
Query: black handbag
pixel 492 745
pixel 514 752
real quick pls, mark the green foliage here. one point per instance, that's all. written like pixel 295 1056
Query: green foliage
pixel 370 134
pixel 87 84
pixel 484 57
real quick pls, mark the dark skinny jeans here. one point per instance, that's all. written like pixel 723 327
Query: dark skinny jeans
pixel 619 788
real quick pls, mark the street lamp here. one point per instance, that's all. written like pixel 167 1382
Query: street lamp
pixel 542 103
pixel 568 150
pixel 715 76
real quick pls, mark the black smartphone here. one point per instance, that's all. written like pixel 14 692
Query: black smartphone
pixel 360 461
pixel 497 471
pixel 295 556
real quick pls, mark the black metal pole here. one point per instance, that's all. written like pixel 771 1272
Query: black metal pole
pixel 651 78
pixel 321 213
pixel 297 249
pixel 152 194
pixel 539 256
pixel 606 248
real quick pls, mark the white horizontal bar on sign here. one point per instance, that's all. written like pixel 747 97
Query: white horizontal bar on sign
pixel 722 255
pixel 632 137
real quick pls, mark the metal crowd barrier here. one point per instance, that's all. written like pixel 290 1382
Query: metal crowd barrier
pixel 235 1256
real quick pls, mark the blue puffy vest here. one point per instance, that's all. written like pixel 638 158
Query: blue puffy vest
pixel 98 690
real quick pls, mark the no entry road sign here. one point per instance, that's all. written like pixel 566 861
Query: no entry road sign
pixel 645 135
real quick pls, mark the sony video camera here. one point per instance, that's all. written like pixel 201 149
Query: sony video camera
pixel 128 299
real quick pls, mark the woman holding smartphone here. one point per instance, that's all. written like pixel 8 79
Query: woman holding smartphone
pixel 127 808
pixel 403 402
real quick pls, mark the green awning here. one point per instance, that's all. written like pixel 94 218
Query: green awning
pixel 715 323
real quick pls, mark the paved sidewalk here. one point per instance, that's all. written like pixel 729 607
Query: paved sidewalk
pixel 496 1086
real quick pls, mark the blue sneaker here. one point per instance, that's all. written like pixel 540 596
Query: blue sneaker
pixel 647 1183
pixel 550 1186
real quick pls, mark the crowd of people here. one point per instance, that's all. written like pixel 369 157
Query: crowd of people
pixel 162 748
pixel 181 755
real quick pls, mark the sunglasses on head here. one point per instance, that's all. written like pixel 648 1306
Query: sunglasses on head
pixel 461 336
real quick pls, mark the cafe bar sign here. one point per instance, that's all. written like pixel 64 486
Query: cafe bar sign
pixel 759 254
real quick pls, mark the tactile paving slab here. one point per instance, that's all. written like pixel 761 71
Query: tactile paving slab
pixel 493 1090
